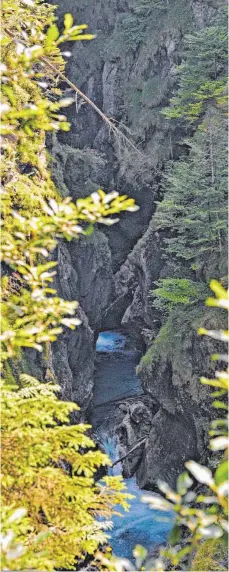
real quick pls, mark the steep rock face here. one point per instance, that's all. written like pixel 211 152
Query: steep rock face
pixel 128 72
pixel 134 282
pixel 171 442
pixel 84 274
pixel 73 362
pixel 170 373
pixel 129 76
pixel 170 370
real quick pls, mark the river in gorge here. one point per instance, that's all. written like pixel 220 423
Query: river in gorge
pixel 116 380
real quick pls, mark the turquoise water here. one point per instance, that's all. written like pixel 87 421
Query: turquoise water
pixel 110 342
pixel 115 379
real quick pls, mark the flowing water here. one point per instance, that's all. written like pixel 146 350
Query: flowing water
pixel 116 379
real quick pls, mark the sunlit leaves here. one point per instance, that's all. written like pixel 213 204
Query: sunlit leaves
pixel 51 469
pixel 29 46
pixel 38 316
pixel 52 34
pixel 221 474
pixel 219 443
pixel 139 554
pixel 53 508
pixel 171 292
pixel 68 22
pixel 184 483
pixel 222 296
pixel 202 474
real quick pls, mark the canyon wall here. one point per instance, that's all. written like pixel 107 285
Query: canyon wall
pixel 128 71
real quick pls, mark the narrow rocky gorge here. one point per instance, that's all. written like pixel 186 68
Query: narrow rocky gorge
pixel 128 71
pixel 114 291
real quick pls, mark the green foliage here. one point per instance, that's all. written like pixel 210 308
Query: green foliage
pixel 31 102
pixel 173 291
pixel 202 74
pixel 194 208
pixel 54 509
pixel 202 510
pixel 193 211
pixel 48 467
pixel 193 215
pixel 14 525
pixel 174 341
pixel 209 555
pixel 35 314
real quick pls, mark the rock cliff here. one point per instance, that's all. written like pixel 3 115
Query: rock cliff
pixel 128 71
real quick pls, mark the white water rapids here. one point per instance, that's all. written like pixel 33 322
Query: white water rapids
pixel 116 379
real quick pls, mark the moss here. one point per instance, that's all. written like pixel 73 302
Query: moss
pixel 176 337
pixel 147 359
pixel 210 555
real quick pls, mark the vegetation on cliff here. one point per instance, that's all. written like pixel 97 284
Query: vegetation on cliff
pixel 193 218
pixel 192 214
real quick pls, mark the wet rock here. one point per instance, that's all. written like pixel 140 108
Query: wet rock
pixel 134 428
pixel 171 442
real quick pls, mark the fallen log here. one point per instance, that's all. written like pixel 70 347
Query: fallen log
pixel 130 451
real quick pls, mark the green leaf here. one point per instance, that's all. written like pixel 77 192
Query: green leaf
pixel 139 554
pixel 219 393
pixel 219 405
pixel 68 22
pixel 82 37
pixel 183 483
pixel 221 473
pixel 175 534
pixel 218 290
pixel 52 34
pixel 89 230
pixel 207 500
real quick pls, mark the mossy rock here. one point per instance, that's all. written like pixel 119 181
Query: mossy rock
pixel 211 555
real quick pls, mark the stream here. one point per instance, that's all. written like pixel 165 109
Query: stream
pixel 116 380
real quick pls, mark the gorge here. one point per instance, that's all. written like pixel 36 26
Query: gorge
pixel 114 262
pixel 128 71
